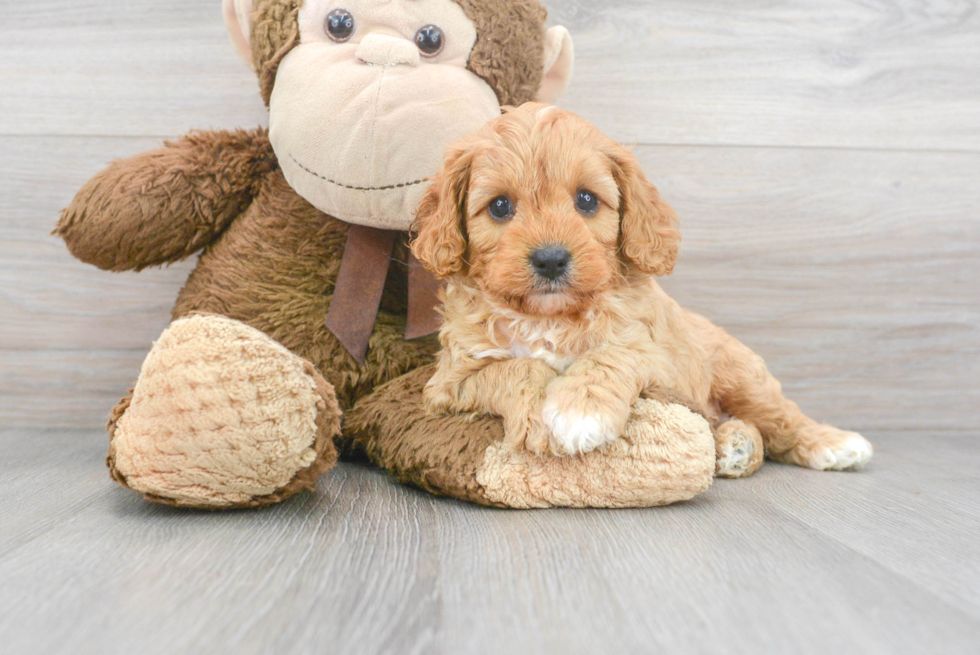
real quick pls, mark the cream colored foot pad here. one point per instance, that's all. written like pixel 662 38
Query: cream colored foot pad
pixel 220 414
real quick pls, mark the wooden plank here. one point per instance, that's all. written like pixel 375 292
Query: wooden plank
pixel 892 74
pixel 895 74
pixel 122 67
pixel 787 561
pixel 47 478
pixel 351 551
pixel 853 273
pixel 713 576
pixel 65 388
pixel 48 299
pixel 914 503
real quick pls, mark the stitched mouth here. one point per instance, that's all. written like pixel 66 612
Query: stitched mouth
pixel 353 187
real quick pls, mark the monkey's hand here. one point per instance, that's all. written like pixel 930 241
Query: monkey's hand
pixel 164 205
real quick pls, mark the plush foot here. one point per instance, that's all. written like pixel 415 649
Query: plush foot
pixel 223 416
pixel 664 455
pixel 825 448
pixel 738 448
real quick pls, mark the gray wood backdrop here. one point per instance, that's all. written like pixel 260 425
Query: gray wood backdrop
pixel 824 157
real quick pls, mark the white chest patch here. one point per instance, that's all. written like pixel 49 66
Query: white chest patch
pixel 518 349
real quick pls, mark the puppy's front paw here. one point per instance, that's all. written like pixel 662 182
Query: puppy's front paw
pixel 578 434
pixel 582 416
pixel 437 399
pixel 526 431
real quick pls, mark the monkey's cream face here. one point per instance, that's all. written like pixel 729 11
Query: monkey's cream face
pixel 364 106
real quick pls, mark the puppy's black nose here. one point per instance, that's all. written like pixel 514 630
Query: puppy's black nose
pixel 551 262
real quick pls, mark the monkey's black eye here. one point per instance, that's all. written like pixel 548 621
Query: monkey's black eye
pixel 430 40
pixel 339 25
pixel 501 208
pixel 586 202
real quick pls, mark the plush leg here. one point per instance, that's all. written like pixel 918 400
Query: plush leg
pixel 738 448
pixel 223 416
pixel 749 392
pixel 667 454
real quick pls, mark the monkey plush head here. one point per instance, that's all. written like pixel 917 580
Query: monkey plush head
pixel 365 94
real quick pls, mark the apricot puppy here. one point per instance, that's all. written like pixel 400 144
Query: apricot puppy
pixel 551 237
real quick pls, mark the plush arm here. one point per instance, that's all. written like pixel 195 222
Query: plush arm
pixel 164 205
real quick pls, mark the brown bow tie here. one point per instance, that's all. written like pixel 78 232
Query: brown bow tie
pixel 360 284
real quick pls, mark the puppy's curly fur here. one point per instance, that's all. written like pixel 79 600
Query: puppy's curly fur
pixel 562 344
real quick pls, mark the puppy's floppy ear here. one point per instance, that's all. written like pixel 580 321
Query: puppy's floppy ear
pixel 650 238
pixel 440 233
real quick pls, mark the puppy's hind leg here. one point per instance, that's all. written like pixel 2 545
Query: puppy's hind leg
pixel 748 391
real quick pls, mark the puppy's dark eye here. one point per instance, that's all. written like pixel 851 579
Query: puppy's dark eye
pixel 501 208
pixel 586 202
pixel 430 40
pixel 339 25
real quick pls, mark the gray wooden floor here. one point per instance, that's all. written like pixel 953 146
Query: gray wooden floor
pixel 824 158
pixel 790 561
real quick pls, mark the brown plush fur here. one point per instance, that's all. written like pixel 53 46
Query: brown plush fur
pixel 438 454
pixel 509 47
pixel 274 269
pixel 564 361
pixel 275 31
pixel 165 205
pixel 270 258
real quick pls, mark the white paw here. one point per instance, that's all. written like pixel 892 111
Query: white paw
pixel 576 434
pixel 853 453
pixel 736 456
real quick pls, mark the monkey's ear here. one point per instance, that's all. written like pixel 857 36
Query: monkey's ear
pixel 439 240
pixel 559 62
pixel 238 21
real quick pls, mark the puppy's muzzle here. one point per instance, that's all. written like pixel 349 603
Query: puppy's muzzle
pixel 551 263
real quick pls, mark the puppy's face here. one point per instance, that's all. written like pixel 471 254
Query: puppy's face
pixel 543 214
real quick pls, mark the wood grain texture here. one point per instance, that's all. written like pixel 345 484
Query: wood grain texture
pixel 882 561
pixel 884 74
pixel 892 74
pixel 114 67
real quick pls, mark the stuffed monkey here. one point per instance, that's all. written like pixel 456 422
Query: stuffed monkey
pixel 305 301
